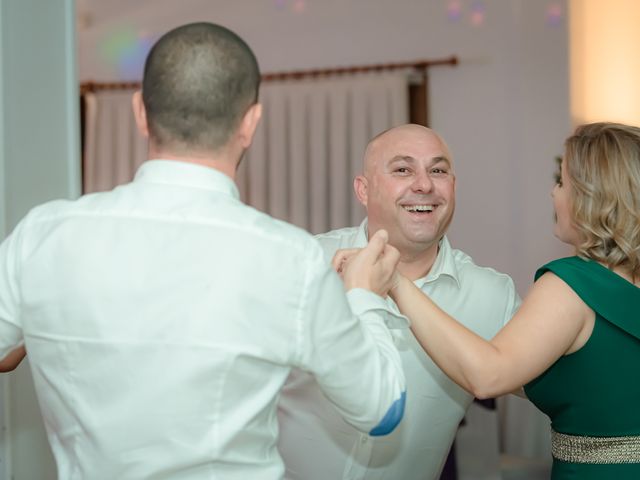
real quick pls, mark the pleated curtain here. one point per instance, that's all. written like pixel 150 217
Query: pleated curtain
pixel 310 143
pixel 306 151
pixel 113 148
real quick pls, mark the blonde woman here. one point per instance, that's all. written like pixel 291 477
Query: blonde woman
pixel 575 342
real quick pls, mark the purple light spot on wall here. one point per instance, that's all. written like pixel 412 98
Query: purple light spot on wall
pixel 131 62
pixel 454 10
pixel 554 14
pixel 299 6
pixel 477 13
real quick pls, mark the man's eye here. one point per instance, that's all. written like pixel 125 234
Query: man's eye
pixel 402 170
pixel 438 172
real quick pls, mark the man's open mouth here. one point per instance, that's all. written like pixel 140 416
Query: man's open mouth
pixel 419 208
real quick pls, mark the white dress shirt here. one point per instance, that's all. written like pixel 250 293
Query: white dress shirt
pixel 318 445
pixel 161 320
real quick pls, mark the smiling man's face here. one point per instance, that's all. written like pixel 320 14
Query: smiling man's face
pixel 408 187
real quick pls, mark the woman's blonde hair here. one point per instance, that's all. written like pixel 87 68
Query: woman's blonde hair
pixel 603 166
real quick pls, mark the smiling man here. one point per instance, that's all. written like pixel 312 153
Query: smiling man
pixel 408 188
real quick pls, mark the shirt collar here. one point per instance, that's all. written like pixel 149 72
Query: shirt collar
pixel 175 172
pixel 445 264
pixel 362 235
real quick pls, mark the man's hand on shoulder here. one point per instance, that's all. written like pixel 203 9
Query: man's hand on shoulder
pixel 372 268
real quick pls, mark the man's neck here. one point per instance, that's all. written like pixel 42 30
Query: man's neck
pixel 415 265
pixel 217 161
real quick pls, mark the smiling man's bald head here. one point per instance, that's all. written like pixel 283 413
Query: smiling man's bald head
pixel 403 133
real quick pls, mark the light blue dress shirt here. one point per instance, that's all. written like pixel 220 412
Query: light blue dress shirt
pixel 317 444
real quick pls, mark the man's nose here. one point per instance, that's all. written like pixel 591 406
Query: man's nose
pixel 422 183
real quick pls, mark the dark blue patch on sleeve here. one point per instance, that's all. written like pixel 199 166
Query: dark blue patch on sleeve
pixel 391 419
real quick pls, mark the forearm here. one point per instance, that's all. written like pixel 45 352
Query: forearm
pixel 347 346
pixel 12 360
pixel 468 359
pixel 376 358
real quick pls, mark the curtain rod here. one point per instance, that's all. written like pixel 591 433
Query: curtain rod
pixel 421 65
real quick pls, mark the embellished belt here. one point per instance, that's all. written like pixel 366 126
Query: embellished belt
pixel 581 449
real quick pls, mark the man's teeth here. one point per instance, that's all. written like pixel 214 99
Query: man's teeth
pixel 419 208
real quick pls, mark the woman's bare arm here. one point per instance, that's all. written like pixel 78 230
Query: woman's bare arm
pixel 550 322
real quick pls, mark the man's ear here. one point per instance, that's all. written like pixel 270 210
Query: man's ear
pixel 249 124
pixel 361 189
pixel 140 113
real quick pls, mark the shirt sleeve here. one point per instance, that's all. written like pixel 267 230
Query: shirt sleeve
pixel 364 302
pixel 11 335
pixel 351 355
pixel 513 301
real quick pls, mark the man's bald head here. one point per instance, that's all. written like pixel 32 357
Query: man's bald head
pixel 387 140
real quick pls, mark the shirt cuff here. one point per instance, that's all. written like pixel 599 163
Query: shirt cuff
pixel 364 301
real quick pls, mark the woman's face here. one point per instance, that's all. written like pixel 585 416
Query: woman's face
pixel 564 228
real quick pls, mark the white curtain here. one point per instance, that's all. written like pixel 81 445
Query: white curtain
pixel 306 152
pixel 113 147
pixel 310 143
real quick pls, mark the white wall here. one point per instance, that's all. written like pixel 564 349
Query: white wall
pixel 39 161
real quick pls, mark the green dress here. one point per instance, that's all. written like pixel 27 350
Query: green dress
pixel 595 391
